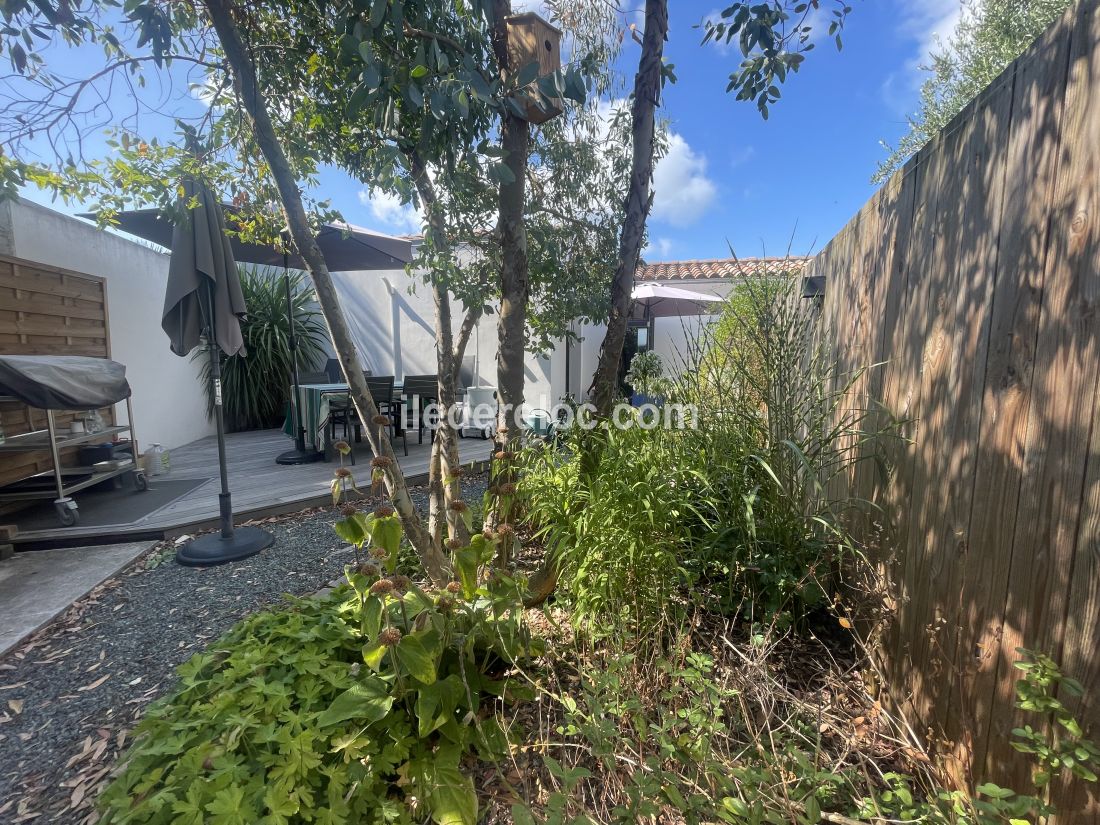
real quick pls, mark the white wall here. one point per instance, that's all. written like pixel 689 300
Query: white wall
pixel 392 319
pixel 168 399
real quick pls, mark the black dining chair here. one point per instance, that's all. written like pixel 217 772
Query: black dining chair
pixel 419 391
pixel 381 391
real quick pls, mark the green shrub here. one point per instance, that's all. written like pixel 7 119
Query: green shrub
pixel 621 534
pixel 342 709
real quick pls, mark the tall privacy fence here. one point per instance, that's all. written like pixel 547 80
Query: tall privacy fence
pixel 974 275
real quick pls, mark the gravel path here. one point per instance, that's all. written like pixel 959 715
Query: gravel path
pixel 69 695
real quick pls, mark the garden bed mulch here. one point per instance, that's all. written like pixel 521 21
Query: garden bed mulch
pixel 71 693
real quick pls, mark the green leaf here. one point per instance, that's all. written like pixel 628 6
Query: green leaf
pixel 386 533
pixel 371 617
pixel 466 562
pixel 451 795
pixel 528 73
pixel 418 72
pixel 351 531
pixel 367 700
pixel 373 654
pixel 994 791
pixel 417 653
pixel 521 815
pixel 436 703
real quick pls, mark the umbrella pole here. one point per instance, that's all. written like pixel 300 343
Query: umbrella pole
pixel 299 455
pixel 229 544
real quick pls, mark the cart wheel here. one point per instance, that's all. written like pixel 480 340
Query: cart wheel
pixel 141 483
pixel 67 513
pixel 486 433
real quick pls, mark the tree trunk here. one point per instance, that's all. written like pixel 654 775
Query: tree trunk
pixel 247 88
pixel 514 287
pixel 639 198
pixel 447 360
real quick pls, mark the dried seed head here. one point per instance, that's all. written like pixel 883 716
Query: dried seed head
pixel 379 553
pixel 401 583
pixel 382 587
pixel 368 569
pixel 380 420
pixel 500 455
pixel 342 472
pixel 389 637
pixel 505 531
pixel 507 488
pixel 383 511
pixel 455 544
pixel 487 533
pixel 458 472
pixel 454 587
pixel 459 506
pixel 348 510
pixel 381 462
pixel 445 602
pixel 342 447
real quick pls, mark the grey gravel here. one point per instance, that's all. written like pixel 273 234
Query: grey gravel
pixel 135 629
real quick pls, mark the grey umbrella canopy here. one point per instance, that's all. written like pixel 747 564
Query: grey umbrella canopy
pixel 204 301
pixel 202 271
pixel 346 248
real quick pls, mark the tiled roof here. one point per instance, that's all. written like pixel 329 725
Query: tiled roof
pixel 717 268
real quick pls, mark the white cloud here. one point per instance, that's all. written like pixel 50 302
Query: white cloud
pixel 682 190
pixel 658 249
pixel 387 209
pixel 927 24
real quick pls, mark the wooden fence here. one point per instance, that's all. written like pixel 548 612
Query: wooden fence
pixel 46 311
pixel 974 275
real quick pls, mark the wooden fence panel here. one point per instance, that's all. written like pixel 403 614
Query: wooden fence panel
pixel 975 274
pixel 46 311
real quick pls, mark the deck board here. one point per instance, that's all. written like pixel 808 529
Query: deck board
pixel 256 482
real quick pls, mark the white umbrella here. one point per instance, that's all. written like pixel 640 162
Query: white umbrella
pixel 662 301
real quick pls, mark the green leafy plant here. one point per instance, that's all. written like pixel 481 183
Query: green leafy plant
pixel 646 373
pixel 256 386
pixel 358 707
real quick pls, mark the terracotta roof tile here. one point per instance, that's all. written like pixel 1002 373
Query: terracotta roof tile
pixel 717 268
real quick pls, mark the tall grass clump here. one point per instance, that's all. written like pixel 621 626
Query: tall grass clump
pixel 780 432
pixel 746 512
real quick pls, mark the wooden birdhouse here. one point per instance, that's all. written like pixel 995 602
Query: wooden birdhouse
pixel 530 39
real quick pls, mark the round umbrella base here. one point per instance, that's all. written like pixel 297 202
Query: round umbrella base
pixel 215 549
pixel 299 457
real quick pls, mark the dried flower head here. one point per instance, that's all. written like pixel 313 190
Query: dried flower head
pixel 368 569
pixel 382 587
pixel 400 583
pixel 494 490
pixel 342 472
pixel 500 455
pixel 458 472
pixel 379 553
pixel 487 533
pixel 381 462
pixel 454 587
pixel 508 488
pixel 380 420
pixel 445 602
pixel 459 506
pixel 383 511
pixel 389 637
pixel 342 447
pixel 505 531
pixel 455 544
pixel 348 510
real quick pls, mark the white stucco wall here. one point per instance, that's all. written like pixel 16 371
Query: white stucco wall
pixel 392 320
pixel 169 406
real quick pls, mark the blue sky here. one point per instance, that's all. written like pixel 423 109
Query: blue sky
pixel 731 178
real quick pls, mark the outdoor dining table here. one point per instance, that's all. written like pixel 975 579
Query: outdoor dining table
pixel 315 404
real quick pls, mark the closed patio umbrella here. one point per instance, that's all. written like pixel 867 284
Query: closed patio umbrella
pixel 204 303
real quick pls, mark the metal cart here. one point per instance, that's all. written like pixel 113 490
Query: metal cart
pixel 59 483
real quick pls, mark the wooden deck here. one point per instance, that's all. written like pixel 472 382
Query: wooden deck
pixel 258 485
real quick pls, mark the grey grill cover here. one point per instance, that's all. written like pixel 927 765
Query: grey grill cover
pixel 63 382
